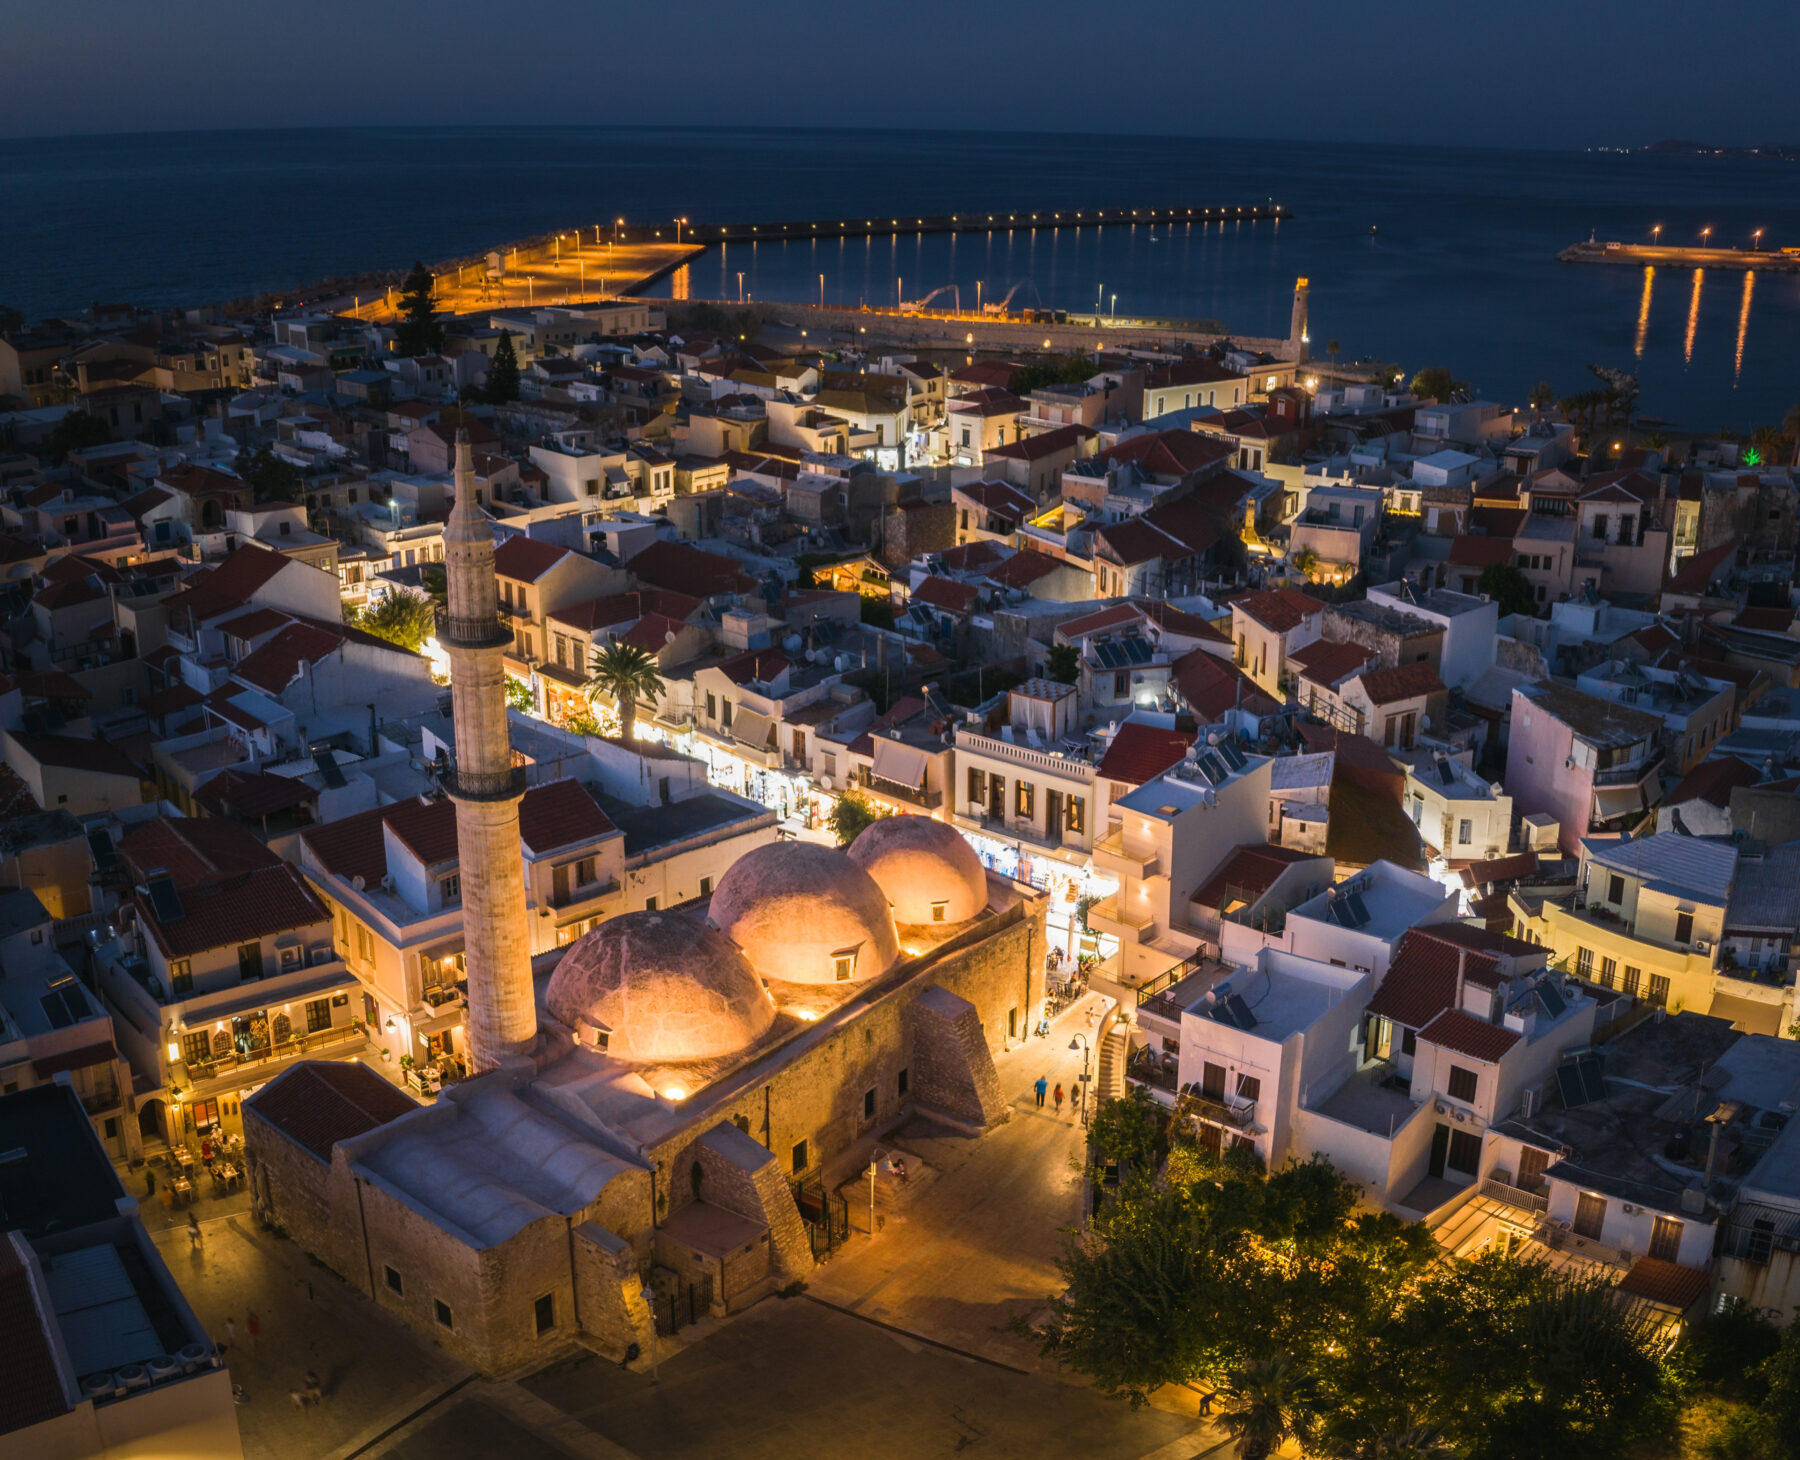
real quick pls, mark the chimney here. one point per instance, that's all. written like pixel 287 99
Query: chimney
pixel 1462 968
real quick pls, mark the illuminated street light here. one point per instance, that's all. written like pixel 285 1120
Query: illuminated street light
pixel 1080 1041
pixel 1655 232
pixel 1705 233
pixel 678 223
pixel 1756 239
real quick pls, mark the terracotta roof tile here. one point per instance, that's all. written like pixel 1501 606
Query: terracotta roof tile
pixel 1668 1284
pixel 1421 978
pixel 1280 609
pixel 70 752
pixel 1466 1035
pixel 947 594
pixel 1141 752
pixel 317 1104
pixel 560 814
pixel 1329 664
pixel 1252 870
pixel 525 559
pixel 193 850
pixel 1403 682
pixel 220 913
pixel 1480 552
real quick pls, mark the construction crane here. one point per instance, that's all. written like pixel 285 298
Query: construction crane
pixel 1005 303
pixel 917 306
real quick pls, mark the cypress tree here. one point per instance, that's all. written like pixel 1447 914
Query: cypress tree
pixel 418 332
pixel 503 371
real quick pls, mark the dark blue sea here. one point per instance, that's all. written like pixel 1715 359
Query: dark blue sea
pixel 1460 269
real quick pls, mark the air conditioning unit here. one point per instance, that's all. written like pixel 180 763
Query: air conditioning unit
pixel 1462 1117
pixel 1442 1109
pixel 825 783
pixel 1702 946
pixel 1529 1100
pixel 1493 854
pixel 1629 1208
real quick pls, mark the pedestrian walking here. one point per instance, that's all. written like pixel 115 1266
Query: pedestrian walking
pixel 194 1238
pixel 252 1327
pixel 149 1181
pixel 314 1392
pixel 1059 1097
pixel 298 1398
pixel 1042 1087
pixel 231 1332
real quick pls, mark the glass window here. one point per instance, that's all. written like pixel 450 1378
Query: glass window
pixel 1024 800
pixel 1633 980
pixel 544 1313
pixel 1462 1084
pixel 1659 991
pixel 181 976
pixel 442 1311
pixel 394 1283
pixel 1615 889
pixel 1609 972
pixel 318 1015
pixel 1684 927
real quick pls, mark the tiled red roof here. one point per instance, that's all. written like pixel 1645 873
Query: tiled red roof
pixel 1047 443
pixel 1421 979
pixel 1713 781
pixel 1141 752
pixel 1175 530
pixel 226 911
pixel 1280 609
pixel 1698 571
pixel 1656 638
pixel 316 1104
pixel 1466 1035
pixel 968 556
pixel 1177 622
pixel 1329 664
pixel 1251 870
pixel 192 850
pixel 1023 568
pixel 612 609
pixel 254 794
pixel 1480 552
pixel 167 701
pixel 525 559
pixel 1000 497
pixel 754 664
pixel 689 570
pixel 1189 372
pixel 1001 373
pixel 276 664
pixel 1170 453
pixel 652 632
pixel 1403 682
pixel 992 401
pixel 427 829
pixel 1093 623
pixel 87 1055
pixel 255 623
pixel 33 1391
pixel 353 846
pixel 72 753
pixel 230 585
pixel 1213 686
pixel 70 593
pixel 947 594
pixel 560 814
pixel 1491 870
pixel 1766 620
pixel 1668 1284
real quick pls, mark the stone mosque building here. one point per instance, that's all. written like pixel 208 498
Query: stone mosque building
pixel 663 1107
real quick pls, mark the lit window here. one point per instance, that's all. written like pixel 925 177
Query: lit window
pixel 938 911
pixel 844 965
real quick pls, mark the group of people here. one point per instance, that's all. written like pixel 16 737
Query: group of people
pixel 1042 1085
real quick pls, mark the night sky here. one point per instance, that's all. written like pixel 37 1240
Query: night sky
pixel 1549 73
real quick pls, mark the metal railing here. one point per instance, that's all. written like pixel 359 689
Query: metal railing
pixel 922 796
pixel 474 632
pixel 485 785
pixel 1516 1196
pixel 1625 775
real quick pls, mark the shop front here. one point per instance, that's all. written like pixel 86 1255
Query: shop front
pixel 1068 883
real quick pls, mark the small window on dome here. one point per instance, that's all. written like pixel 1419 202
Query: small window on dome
pixel 600 1036
pixel 843 964
pixel 939 911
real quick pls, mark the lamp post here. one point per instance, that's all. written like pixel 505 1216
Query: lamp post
pixel 1655 233
pixel 650 1301
pixel 1756 239
pixel 1080 1041
pixel 740 286
pixel 678 223
pixel 871 1196
pixel 1705 233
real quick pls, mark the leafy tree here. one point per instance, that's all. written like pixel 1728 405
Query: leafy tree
pixel 852 816
pixel 76 431
pixel 273 478
pixel 419 332
pixel 1437 382
pixel 1130 1131
pixel 1305 561
pixel 1509 588
pixel 400 618
pixel 503 371
pixel 1064 664
pixel 1543 396
pixel 518 695
pixel 1064 370
pixel 1331 348
pixel 878 612
pixel 625 674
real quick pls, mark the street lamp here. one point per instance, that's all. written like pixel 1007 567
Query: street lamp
pixel 871 1195
pixel 1080 1041
pixel 1705 233
pixel 740 286
pixel 1756 239
pixel 1655 232
pixel 678 223
pixel 821 291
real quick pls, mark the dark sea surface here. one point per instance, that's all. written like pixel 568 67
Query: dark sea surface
pixel 1461 269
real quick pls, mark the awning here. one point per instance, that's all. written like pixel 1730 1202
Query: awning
pixel 904 765
pixel 752 728
pixel 1752 1016
pixel 74 1059
pixel 1612 801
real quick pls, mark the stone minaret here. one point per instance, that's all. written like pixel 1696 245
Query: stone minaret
pixel 496 943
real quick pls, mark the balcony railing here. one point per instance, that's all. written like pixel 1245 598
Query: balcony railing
pixel 1515 1196
pixel 1111 852
pixel 474 633
pixel 198 1071
pixel 1232 1110
pixel 921 796
pixel 485 785
pixel 1626 775
pixel 1110 911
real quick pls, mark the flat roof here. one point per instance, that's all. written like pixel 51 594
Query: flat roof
pixel 58 1177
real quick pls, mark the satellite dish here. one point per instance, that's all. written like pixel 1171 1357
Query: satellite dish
pixel 1424 722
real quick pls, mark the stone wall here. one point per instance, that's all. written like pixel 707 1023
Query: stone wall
pixel 951 1063
pixel 1392 645
pixel 914 528
pixel 742 1177
pixel 609 1292
pixel 294 1189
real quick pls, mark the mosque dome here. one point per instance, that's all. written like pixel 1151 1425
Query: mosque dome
pixel 665 987
pixel 804 913
pixel 926 869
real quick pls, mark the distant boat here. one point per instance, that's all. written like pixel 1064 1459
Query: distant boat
pixel 1371 230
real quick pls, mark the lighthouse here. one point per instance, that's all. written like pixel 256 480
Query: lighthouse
pixel 1297 335
pixel 486 787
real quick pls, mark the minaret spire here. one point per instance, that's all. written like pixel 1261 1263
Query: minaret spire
pixel 485 786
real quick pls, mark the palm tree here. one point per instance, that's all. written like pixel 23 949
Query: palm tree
pixel 624 673
pixel 1262 1406
pixel 1542 397
pixel 1790 427
pixel 1331 348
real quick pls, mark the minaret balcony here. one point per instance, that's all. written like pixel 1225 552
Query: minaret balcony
pixel 467 785
pixel 471 633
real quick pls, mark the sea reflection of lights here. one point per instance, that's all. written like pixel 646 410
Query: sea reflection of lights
pixel 1743 325
pixel 1643 329
pixel 1693 317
